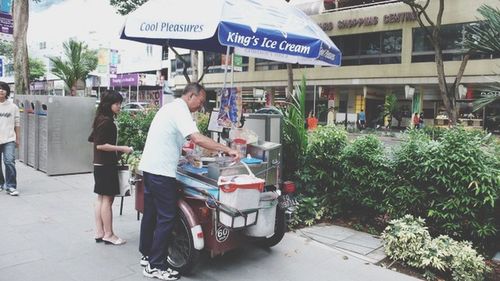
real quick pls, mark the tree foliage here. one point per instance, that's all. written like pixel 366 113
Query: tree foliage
pixel 432 31
pixel 124 7
pixel 485 37
pixel 6 49
pixel 77 63
pixel 37 68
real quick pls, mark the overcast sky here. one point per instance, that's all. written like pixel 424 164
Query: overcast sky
pixel 59 20
pixel 36 7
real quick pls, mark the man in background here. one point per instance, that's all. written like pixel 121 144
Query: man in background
pixel 9 140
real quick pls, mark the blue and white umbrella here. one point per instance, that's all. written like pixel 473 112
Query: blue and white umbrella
pixel 268 29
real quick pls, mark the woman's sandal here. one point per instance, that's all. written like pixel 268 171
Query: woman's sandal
pixel 118 241
pixel 98 240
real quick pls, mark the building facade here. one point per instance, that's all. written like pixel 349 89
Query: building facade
pixel 384 52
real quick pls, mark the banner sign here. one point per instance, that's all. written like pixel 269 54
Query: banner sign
pixel 271 41
pixel 125 80
pixel 230 107
pixel 6 24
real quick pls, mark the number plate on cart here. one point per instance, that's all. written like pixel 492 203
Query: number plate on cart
pixel 287 201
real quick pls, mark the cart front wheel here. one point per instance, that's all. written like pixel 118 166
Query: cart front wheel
pixel 182 256
pixel 279 230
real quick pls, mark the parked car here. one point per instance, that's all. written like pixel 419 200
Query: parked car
pixel 135 106
pixel 269 110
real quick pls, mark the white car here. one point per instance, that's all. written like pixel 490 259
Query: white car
pixel 135 106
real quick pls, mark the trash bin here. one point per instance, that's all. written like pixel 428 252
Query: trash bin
pixel 56 130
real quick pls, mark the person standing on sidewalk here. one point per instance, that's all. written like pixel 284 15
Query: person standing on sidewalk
pixel 9 140
pixel 362 119
pixel 167 134
pixel 104 136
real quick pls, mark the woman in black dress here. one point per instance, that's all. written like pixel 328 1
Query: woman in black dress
pixel 106 152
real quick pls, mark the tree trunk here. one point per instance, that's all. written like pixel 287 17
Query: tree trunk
pixel 443 88
pixel 20 14
pixel 289 69
pixel 194 65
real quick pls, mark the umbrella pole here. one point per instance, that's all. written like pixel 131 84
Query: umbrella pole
pixel 232 69
pixel 225 67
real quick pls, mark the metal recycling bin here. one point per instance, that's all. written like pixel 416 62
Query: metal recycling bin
pixel 54 132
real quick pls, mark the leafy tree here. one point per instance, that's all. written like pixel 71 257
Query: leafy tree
pixel 485 37
pixel 432 31
pixel 126 6
pixel 6 49
pixel 37 68
pixel 294 132
pixel 79 61
pixel 391 109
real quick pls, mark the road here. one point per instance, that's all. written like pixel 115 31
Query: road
pixel 47 234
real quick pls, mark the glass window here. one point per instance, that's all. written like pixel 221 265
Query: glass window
pixel 263 65
pixel 370 44
pixel 164 53
pixel 370 48
pixel 452 38
pixel 391 42
pixel 420 41
pixel 349 44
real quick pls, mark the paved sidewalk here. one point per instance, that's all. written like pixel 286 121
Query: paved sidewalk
pixel 47 234
pixel 354 243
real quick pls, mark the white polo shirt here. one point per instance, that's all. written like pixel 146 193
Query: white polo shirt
pixel 166 136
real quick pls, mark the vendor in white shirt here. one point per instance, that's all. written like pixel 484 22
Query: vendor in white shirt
pixel 170 127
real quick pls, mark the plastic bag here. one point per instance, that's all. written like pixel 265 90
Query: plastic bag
pixel 242 133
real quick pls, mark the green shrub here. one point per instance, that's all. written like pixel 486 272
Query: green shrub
pixel 294 140
pixel 321 172
pixel 408 240
pixel 434 132
pixel 309 211
pixel 367 172
pixel 466 264
pixel 453 182
pixel 133 128
pixel 202 120
pixel 407 194
pixel 464 185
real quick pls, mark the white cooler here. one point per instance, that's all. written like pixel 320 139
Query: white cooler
pixel 241 192
pixel 267 216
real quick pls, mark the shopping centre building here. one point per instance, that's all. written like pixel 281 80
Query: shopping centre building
pixel 384 52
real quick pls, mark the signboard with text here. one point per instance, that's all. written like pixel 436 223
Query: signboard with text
pixel 125 80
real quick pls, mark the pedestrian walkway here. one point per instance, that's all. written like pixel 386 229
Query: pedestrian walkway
pixel 47 234
pixel 357 244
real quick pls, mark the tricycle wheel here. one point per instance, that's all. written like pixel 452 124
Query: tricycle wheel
pixel 279 230
pixel 182 256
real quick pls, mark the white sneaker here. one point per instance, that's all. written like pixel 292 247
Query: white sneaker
pixel 160 274
pixel 144 261
pixel 12 191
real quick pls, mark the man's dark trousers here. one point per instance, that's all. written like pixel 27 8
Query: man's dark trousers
pixel 159 218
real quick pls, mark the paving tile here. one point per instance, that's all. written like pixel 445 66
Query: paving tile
pixel 365 240
pixel 377 255
pixel 19 257
pixel 353 247
pixel 333 232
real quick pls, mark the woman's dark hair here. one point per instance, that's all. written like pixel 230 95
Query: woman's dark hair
pixel 5 86
pixel 107 100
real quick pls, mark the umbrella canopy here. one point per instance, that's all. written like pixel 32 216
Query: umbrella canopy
pixel 268 29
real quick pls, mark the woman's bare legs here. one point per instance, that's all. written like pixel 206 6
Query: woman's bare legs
pixel 99 227
pixel 107 218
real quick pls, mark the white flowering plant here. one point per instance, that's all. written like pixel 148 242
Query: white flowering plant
pixel 408 240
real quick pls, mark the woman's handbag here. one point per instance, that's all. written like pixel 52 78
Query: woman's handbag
pixel 124 175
